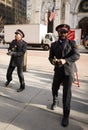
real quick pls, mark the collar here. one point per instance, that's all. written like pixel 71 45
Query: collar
pixel 62 40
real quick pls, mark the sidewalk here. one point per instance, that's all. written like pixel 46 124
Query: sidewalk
pixel 30 109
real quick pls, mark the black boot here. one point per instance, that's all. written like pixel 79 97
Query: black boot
pixel 7 83
pixel 22 87
pixel 65 119
pixel 55 103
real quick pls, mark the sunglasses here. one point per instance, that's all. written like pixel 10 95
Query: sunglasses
pixel 63 31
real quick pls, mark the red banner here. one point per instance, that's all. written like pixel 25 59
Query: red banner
pixel 71 35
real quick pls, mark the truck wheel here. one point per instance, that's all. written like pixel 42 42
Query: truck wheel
pixel 46 47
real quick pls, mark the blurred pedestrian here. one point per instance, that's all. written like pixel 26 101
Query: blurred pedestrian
pixel 17 50
pixel 63 54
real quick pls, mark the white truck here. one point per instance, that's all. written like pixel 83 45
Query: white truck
pixel 34 34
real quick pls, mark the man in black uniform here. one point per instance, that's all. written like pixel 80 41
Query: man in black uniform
pixel 63 54
pixel 17 50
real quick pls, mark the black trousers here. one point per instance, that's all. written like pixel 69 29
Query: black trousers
pixel 61 78
pixel 19 72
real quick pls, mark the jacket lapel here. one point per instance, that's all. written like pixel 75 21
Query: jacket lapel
pixel 66 48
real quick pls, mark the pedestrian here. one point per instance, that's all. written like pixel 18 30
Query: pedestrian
pixel 63 54
pixel 17 50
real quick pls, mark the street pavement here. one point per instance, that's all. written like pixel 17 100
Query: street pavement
pixel 30 109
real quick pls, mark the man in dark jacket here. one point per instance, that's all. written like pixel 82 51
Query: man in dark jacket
pixel 17 50
pixel 63 54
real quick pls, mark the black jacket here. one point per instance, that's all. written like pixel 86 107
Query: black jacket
pixel 70 53
pixel 18 50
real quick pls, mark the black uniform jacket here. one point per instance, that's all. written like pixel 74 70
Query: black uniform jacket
pixel 70 53
pixel 19 49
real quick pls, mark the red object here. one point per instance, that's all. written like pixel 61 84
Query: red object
pixel 52 14
pixel 76 81
pixel 71 35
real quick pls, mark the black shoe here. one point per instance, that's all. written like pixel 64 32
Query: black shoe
pixel 20 89
pixel 65 121
pixel 7 83
pixel 53 106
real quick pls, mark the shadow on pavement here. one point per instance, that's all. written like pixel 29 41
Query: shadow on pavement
pixel 25 116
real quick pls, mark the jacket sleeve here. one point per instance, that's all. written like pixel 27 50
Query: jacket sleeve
pixel 11 46
pixel 74 55
pixel 51 54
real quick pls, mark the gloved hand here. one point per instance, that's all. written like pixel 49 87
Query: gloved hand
pixel 58 61
pixel 63 61
pixel 11 53
pixel 55 60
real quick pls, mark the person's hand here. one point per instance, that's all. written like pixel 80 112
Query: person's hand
pixel 9 52
pixel 13 53
pixel 59 61
pixel 54 61
pixel 63 61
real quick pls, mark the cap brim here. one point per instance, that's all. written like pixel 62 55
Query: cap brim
pixel 19 34
pixel 63 31
pixel 16 33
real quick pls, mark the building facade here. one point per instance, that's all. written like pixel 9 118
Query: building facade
pixel 72 12
pixel 6 11
pixel 19 11
pixel 12 11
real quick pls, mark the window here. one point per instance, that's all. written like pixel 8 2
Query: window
pixel 83 7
